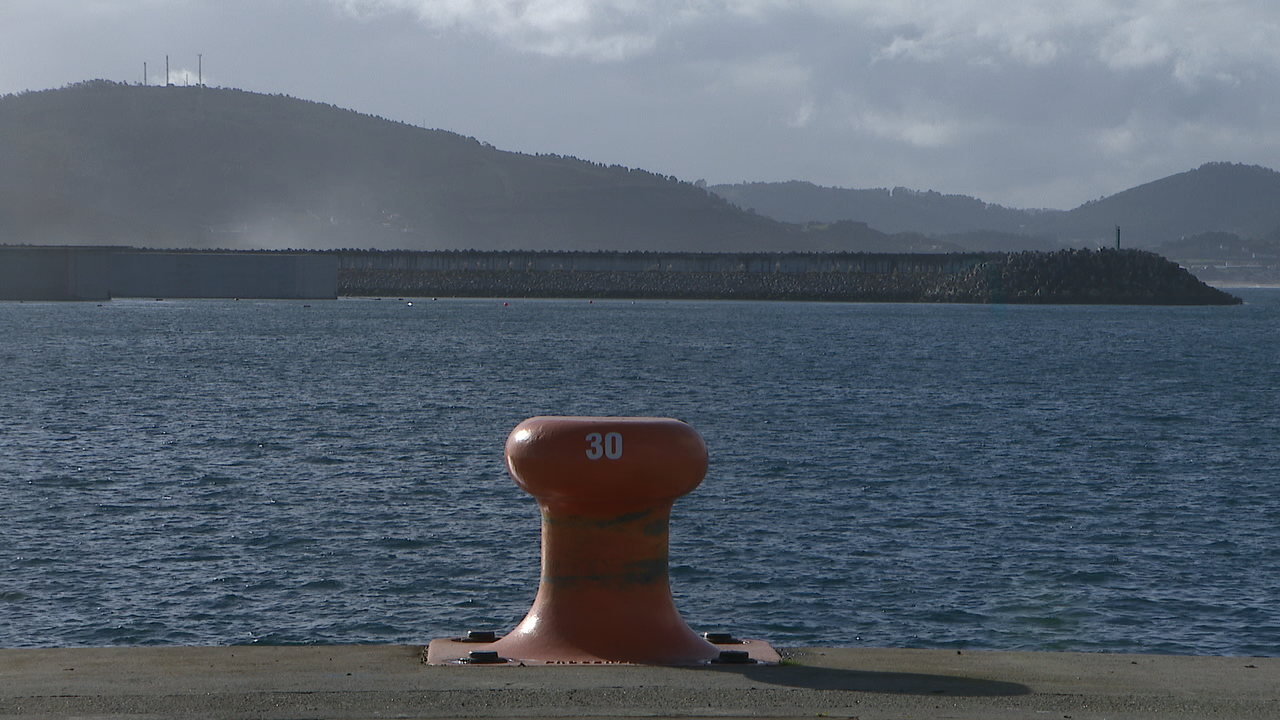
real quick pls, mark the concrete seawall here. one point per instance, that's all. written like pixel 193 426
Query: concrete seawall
pixel 392 681
pixel 77 273
pixel 287 276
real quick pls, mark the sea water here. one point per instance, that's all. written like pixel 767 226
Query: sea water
pixel 987 477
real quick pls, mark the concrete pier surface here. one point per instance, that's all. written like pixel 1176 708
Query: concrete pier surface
pixel 391 681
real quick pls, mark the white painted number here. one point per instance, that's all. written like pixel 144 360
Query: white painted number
pixel 608 445
pixel 613 446
pixel 596 449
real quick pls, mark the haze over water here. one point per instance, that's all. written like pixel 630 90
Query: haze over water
pixel 1042 478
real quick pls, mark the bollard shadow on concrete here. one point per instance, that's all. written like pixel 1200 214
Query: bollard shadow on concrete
pixel 895 683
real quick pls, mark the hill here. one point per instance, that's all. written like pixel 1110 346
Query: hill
pixel 107 163
pixel 896 210
pixel 1216 197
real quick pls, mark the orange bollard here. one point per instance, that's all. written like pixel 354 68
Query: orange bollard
pixel 606 487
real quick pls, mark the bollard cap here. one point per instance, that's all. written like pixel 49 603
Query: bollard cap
pixel 605 459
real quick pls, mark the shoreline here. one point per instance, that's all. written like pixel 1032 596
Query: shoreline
pixel 352 681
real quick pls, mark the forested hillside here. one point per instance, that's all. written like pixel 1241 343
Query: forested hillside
pixel 1218 197
pixel 106 163
pixel 896 210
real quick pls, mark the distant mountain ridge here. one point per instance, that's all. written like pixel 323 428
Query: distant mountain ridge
pixel 1216 197
pixel 103 163
pixel 197 167
pixel 896 210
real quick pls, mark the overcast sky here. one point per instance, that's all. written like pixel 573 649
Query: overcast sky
pixel 1026 103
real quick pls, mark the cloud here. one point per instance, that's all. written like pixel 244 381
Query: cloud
pixel 1011 97
pixel 803 114
pixel 602 30
pixel 921 131
pixel 90 9
pixel 1037 102
pixel 1196 39
pixel 1200 38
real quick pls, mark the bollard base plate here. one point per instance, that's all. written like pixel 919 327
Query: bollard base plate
pixel 458 651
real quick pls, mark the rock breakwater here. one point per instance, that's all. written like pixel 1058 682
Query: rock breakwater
pixel 1068 276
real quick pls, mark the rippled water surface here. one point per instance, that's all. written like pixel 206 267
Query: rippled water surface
pixel 1045 478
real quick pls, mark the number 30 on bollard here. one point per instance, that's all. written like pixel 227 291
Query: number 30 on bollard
pixel 609 446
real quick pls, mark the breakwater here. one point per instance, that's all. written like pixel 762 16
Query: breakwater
pixel 1069 276
pixel 101 273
